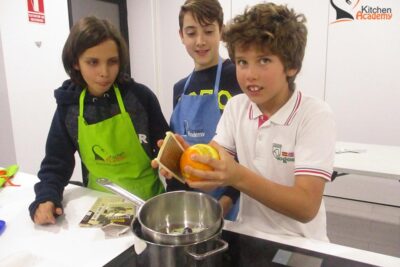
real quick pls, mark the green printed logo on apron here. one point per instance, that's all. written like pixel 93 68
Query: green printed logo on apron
pixel 111 149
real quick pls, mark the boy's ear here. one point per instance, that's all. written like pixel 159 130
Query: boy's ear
pixel 291 72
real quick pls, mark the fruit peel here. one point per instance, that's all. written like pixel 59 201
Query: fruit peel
pixel 200 149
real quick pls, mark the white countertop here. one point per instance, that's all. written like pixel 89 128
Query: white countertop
pixel 369 160
pixel 66 244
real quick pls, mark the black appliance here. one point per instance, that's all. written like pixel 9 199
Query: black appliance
pixel 248 251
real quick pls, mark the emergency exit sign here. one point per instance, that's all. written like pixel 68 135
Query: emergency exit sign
pixel 36 11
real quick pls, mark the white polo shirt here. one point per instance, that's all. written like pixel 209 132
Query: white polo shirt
pixel 299 139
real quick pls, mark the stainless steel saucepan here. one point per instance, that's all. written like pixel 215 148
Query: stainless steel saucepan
pixel 207 253
pixel 174 218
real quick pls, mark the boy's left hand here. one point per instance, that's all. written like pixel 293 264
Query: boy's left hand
pixel 224 173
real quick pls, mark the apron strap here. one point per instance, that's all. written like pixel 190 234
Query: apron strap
pixel 81 101
pixel 119 99
pixel 187 83
pixel 218 76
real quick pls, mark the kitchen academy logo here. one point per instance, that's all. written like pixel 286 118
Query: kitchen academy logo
pixel 280 155
pixel 348 10
pixel 101 156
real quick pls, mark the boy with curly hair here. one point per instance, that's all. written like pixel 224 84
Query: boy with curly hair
pixel 284 141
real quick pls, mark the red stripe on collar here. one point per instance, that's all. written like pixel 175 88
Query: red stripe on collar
pixel 295 108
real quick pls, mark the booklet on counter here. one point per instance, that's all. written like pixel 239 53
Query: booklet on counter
pixel 170 154
pixel 109 210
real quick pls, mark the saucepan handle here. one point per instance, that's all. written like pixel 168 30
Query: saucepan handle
pixel 120 191
pixel 223 245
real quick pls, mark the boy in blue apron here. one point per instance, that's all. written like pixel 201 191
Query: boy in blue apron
pixel 200 98
pixel 112 121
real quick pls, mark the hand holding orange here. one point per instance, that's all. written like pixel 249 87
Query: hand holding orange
pixel 200 149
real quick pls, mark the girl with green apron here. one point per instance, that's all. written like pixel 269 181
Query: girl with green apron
pixel 111 149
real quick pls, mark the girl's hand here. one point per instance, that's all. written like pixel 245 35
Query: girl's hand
pixel 46 213
pixel 224 173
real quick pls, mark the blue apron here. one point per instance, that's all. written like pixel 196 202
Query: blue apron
pixel 195 117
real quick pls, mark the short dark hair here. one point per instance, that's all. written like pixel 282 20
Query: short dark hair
pixel 204 11
pixel 271 26
pixel 86 33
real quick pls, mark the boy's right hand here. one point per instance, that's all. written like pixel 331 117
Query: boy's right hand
pixel 46 213
pixel 225 171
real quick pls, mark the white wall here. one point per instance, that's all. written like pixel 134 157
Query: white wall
pixel 7 155
pixel 32 73
pixel 362 84
pixel 142 44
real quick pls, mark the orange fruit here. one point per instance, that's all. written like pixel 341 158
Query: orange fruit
pixel 200 149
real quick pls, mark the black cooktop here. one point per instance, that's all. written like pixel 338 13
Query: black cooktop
pixel 251 251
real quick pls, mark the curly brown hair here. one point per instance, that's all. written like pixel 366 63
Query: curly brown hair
pixel 86 33
pixel 203 11
pixel 273 27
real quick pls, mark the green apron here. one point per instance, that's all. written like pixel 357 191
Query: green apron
pixel 111 149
